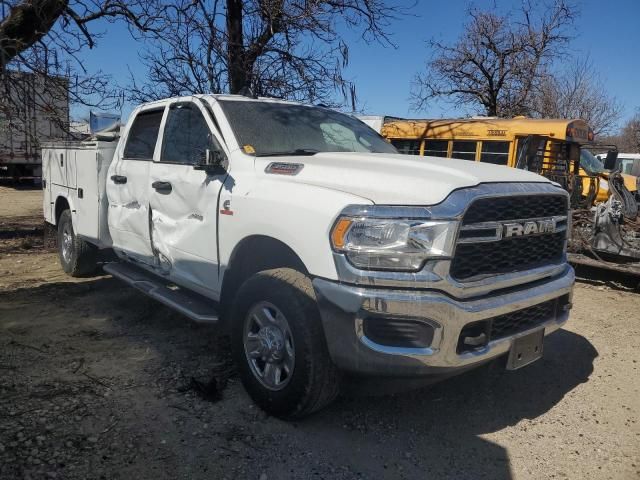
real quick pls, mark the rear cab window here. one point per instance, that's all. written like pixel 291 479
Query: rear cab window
pixel 141 141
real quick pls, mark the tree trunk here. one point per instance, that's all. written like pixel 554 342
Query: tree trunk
pixel 492 109
pixel 238 78
pixel 26 24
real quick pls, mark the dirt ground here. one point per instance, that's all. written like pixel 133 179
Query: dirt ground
pixel 98 382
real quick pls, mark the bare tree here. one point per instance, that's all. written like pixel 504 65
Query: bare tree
pixel 44 38
pixel 284 48
pixel 498 61
pixel 630 135
pixel 577 92
pixel 628 138
pixel 28 23
pixel 41 73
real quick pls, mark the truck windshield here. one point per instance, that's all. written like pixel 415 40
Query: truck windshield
pixel 270 128
pixel 590 163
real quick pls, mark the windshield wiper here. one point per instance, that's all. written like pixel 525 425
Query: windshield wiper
pixel 296 152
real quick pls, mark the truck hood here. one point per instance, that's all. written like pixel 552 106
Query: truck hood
pixel 397 179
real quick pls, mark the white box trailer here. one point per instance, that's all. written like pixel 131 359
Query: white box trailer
pixel 76 173
pixel 34 109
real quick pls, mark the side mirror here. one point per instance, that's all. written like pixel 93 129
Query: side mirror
pixel 213 161
pixel 610 161
pixel 212 157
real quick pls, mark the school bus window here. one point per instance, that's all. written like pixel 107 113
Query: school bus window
pixel 436 148
pixel 495 152
pixel 408 147
pixel 464 150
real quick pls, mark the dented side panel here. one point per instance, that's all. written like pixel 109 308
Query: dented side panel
pixel 129 209
pixel 127 185
pixel 183 225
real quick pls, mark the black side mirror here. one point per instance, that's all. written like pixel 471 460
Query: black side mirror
pixel 213 161
pixel 215 158
pixel 610 161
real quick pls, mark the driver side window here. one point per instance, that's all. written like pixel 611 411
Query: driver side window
pixel 186 136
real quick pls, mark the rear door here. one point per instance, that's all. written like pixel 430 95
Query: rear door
pixel 128 187
pixel 183 199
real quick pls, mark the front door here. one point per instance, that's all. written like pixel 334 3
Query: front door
pixel 183 200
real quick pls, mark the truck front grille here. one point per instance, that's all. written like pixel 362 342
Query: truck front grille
pixel 515 207
pixel 489 256
pixel 517 254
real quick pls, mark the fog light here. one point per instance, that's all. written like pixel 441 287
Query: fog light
pixel 398 332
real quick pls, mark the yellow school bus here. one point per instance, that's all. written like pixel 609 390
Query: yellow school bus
pixel 499 141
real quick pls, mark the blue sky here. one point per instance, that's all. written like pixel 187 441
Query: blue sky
pixel 608 31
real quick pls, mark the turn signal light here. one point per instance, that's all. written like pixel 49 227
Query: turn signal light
pixel 339 232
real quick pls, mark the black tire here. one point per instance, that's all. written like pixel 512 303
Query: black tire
pixel 77 257
pixel 315 380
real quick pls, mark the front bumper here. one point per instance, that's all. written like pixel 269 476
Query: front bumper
pixel 344 307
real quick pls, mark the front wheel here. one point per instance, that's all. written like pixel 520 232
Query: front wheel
pixel 77 257
pixel 279 345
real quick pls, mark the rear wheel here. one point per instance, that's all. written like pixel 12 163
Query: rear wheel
pixel 279 345
pixel 77 257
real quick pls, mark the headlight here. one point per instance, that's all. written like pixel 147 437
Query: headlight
pixel 392 244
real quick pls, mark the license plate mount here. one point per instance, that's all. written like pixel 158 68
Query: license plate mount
pixel 526 349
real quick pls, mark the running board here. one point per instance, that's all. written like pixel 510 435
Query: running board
pixel 193 305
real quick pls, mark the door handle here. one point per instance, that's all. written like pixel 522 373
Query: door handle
pixel 162 187
pixel 119 179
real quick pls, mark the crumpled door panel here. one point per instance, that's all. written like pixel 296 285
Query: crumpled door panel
pixel 183 225
pixel 128 215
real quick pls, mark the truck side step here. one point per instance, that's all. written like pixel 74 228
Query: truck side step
pixel 193 305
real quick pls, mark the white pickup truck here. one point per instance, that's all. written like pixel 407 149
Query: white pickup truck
pixel 324 252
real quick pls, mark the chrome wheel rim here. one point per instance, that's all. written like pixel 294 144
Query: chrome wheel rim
pixel 67 242
pixel 268 346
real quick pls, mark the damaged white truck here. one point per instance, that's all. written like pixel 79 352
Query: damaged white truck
pixel 324 252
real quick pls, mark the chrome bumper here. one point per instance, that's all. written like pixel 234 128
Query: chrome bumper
pixel 343 308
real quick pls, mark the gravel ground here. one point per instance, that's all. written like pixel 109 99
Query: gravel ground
pixel 96 381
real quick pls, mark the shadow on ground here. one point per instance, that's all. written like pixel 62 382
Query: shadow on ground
pixel 447 420
pixel 26 184
pixel 137 356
